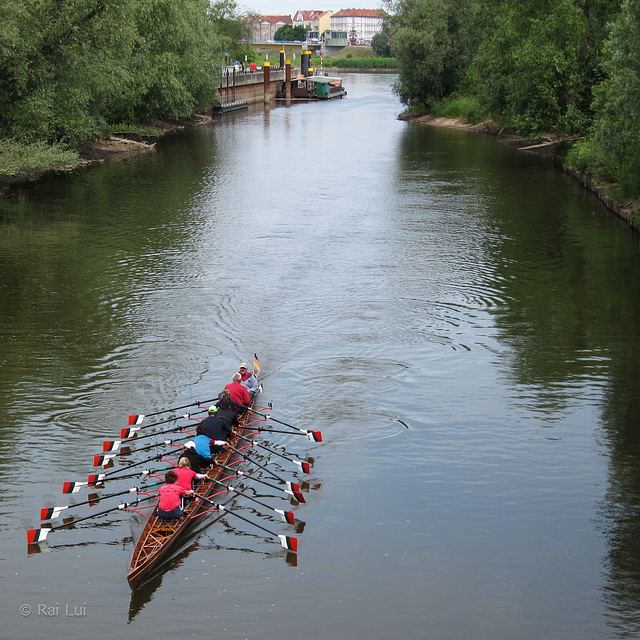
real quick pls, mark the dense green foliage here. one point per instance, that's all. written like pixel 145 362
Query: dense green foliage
pixel 564 66
pixel 233 30
pixel 362 63
pixel 287 33
pixel 434 42
pixel 381 46
pixel 68 68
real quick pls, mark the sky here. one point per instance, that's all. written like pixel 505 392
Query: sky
pixel 289 7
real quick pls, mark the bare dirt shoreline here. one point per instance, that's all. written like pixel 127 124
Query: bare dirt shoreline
pixel 545 146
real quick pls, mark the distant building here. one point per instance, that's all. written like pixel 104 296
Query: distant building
pixel 359 24
pixel 263 28
pixel 319 21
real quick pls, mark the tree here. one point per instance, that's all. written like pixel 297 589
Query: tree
pixel 536 68
pixel 69 67
pixel 616 128
pixel 380 45
pixel 287 33
pixel 434 42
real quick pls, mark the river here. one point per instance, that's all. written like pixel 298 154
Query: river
pixel 457 317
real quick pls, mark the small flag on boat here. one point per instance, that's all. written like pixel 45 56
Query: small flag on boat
pixel 37 535
pixel 256 363
pixel 72 487
pixel 136 419
pixel 289 543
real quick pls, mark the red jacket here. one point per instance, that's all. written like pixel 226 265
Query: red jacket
pixel 238 393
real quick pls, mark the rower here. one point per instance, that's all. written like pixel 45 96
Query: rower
pixel 240 397
pixel 216 428
pixel 247 380
pixel 204 446
pixel 170 505
pixel 189 452
pixel 186 475
pixel 225 409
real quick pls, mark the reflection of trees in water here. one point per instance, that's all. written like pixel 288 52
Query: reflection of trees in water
pixel 567 305
pixel 620 510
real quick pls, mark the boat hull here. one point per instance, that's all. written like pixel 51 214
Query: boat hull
pixel 160 537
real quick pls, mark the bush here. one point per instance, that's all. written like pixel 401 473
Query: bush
pixel 592 159
pixel 466 108
pixel 362 63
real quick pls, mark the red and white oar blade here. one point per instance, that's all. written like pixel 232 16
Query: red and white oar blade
pixel 95 478
pixel 128 432
pixel 289 543
pixel 37 535
pixel 51 513
pixel 73 487
pixel 287 516
pixel 111 445
pixel 136 419
pixel 314 436
pixel 297 495
pixel 101 461
pixel 305 467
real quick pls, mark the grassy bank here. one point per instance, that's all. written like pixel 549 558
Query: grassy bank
pixel 21 162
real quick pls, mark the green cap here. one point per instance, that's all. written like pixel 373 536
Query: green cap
pixel 213 409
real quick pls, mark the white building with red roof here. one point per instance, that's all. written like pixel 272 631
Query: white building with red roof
pixel 359 24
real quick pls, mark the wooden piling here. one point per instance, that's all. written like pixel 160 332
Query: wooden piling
pixel 267 82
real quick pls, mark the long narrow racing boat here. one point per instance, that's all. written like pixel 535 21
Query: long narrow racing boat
pixel 160 536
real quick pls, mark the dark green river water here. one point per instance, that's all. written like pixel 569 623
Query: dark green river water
pixel 458 318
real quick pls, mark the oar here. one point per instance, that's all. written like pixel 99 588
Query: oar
pixel 293 488
pixel 100 478
pixel 127 438
pixel 305 467
pixel 102 460
pixel 315 436
pixel 288 542
pixel 73 487
pixel 51 513
pixel 287 516
pixel 114 445
pixel 137 419
pixel 252 461
pixel 127 432
pixel 38 535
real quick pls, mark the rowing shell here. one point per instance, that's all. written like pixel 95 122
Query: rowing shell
pixel 160 536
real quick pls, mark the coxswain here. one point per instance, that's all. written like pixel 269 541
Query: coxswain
pixel 248 380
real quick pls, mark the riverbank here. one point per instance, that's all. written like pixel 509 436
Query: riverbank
pixel 119 146
pixel 546 146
